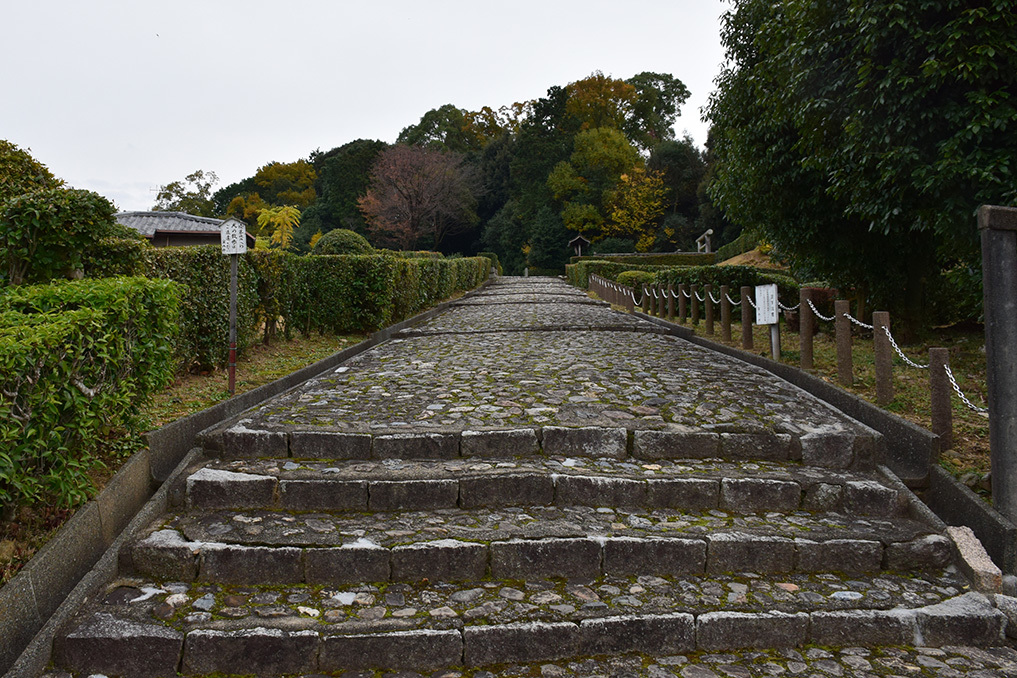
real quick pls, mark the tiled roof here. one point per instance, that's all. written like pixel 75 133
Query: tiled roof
pixel 147 223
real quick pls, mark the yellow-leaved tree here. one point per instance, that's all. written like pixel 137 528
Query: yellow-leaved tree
pixel 635 205
pixel 280 222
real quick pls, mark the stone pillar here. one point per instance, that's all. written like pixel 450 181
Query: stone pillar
pixel 805 321
pixel 842 328
pixel 998 226
pixel 725 313
pixel 708 303
pixel 939 387
pixel 884 357
pixel 746 318
pixel 683 303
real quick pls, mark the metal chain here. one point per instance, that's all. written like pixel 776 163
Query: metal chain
pixel 716 301
pixel 953 382
pixel 687 295
pixel 858 322
pixel 732 301
pixel 789 308
pixel 702 299
pixel 818 314
pixel 654 290
pixel 633 295
pixel 901 353
pixel 751 303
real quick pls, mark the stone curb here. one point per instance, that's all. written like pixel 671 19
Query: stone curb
pixel 969 619
pixel 46 583
pixel 166 554
pixel 214 489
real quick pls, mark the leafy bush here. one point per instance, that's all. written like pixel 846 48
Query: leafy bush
pixel 494 261
pixel 635 278
pixel 746 242
pixel 654 259
pixel 342 241
pixel 109 257
pixel 578 274
pixel 614 246
pixel 76 361
pixel 733 276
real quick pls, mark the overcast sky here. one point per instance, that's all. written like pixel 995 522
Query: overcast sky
pixel 121 97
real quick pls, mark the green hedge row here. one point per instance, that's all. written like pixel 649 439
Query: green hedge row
pixel 283 291
pixel 77 358
pixel 578 274
pixel 653 259
pixel 746 242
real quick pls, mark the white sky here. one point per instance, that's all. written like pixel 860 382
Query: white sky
pixel 121 97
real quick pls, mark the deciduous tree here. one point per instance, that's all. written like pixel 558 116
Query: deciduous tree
pixel 192 194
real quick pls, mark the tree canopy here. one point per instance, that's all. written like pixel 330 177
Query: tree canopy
pixel 192 195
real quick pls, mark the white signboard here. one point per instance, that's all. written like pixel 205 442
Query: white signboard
pixel 233 235
pixel 766 304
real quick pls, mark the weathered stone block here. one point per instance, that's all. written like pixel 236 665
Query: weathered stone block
pixel 823 497
pixel 232 564
pixel 419 649
pixel 653 634
pixel 675 445
pixel 589 441
pixel 969 619
pixel 863 628
pixel 763 630
pixel 569 558
pixel 684 493
pixel 106 644
pixel 762 446
pixel 756 495
pixel 973 560
pixel 261 651
pixel 447 559
pixel 631 556
pixel 738 552
pixel 510 489
pixel 215 488
pixel 347 564
pixel 1007 605
pixel 598 491
pixel 241 442
pixel 828 450
pixel 330 445
pixel 323 495
pixel 166 554
pixel 413 495
pixel 518 643
pixel 416 446
pixel 924 553
pixel 869 498
pixel 514 443
pixel 839 555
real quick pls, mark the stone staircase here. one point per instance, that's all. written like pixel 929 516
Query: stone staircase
pixel 367 541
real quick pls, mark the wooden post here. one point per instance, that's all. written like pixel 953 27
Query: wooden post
pixel 746 318
pixel 725 313
pixel 998 226
pixel 670 303
pixel 842 330
pixel 884 357
pixel 646 300
pixel 630 303
pixel 805 321
pixel 683 303
pixel 233 325
pixel 708 302
pixel 662 302
pixel 695 304
pixel 939 387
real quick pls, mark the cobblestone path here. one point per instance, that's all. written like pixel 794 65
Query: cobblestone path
pixel 532 484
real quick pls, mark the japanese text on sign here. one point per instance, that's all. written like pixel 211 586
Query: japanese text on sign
pixel 233 235
pixel 766 304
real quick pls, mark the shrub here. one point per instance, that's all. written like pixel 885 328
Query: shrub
pixel 76 361
pixel 494 261
pixel 654 259
pixel 342 241
pixel 635 278
pixel 614 246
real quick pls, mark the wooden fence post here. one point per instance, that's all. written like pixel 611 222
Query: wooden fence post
pixel 805 321
pixel 662 302
pixel 670 303
pixel 695 304
pixel 708 303
pixel 683 303
pixel 939 386
pixel 725 313
pixel 746 318
pixel 884 357
pixel 646 300
pixel 842 330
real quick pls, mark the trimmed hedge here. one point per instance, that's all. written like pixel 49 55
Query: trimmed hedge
pixel 494 260
pixel 733 276
pixel 77 358
pixel 653 259
pixel 746 242
pixel 578 274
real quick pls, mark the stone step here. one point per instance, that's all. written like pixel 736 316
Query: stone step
pixel 260 546
pixel 148 628
pixel 837 449
pixel 739 487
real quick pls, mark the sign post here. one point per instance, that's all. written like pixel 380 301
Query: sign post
pixel 766 314
pixel 233 235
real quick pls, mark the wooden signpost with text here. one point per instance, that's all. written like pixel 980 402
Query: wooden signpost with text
pixel 233 235
pixel 766 314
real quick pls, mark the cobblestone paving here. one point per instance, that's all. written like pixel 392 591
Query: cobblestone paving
pixel 454 379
